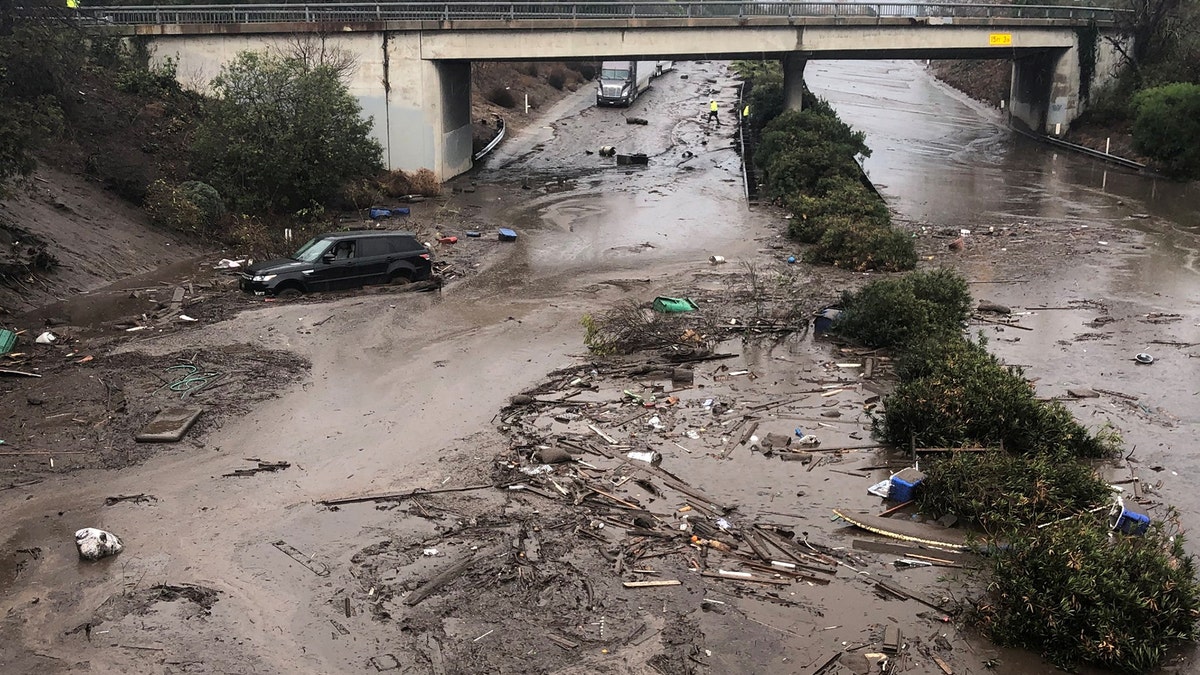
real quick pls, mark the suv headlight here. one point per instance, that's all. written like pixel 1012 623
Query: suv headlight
pixel 263 277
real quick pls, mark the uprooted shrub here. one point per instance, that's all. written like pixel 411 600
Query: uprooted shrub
pixel 1075 594
pixel 895 312
pixel 1000 492
pixel 420 182
pixel 955 393
pixel 632 327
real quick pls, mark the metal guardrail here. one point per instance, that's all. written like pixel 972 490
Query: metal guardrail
pixel 526 11
pixel 493 143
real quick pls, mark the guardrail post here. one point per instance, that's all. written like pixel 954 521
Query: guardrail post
pixel 378 12
pixel 446 13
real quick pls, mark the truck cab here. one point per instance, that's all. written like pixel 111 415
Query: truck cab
pixel 621 82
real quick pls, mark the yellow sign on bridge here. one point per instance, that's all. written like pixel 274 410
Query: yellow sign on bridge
pixel 1000 39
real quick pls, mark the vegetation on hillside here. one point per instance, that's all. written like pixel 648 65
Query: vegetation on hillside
pixel 1156 91
pixel 1060 582
pixel 808 163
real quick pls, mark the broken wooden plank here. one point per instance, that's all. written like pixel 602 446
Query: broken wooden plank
pixel 891 640
pixel 907 531
pixel 942 664
pixel 441 579
pixel 596 430
pixel 746 577
pixel 652 584
pixel 906 551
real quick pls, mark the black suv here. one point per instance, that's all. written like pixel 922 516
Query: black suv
pixel 331 262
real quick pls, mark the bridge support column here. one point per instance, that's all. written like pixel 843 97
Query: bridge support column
pixel 793 81
pixel 1044 94
pixel 428 124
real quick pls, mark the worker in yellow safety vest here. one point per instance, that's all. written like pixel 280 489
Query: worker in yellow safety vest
pixel 72 4
pixel 712 111
pixel 746 114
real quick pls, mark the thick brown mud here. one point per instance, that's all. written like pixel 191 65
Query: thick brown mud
pixel 412 391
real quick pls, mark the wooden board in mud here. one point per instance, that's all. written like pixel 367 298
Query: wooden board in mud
pixel 169 426
pixel 907 530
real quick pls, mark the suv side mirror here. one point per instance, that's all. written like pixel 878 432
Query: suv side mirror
pixel 327 258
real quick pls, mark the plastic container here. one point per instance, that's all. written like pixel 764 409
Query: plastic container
pixel 904 484
pixel 824 320
pixel 507 234
pixel 1128 522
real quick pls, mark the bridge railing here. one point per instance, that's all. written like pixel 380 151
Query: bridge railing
pixel 525 11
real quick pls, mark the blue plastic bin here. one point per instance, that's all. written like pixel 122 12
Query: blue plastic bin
pixel 904 485
pixel 1129 522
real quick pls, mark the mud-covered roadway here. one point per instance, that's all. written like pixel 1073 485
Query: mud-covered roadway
pixel 405 392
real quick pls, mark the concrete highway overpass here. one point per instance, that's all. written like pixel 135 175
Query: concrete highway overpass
pixel 413 59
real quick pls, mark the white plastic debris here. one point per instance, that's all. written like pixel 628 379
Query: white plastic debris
pixel 228 264
pixel 46 338
pixel 185 317
pixel 429 552
pixel 95 544
pixel 809 440
pixel 655 423
pixel 882 488
pixel 650 457
pixel 537 470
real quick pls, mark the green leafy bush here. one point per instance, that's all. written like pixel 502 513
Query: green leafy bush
pixel 838 197
pixel 800 148
pixel 206 198
pixel 1167 127
pixel 282 134
pixel 1001 492
pixel 962 395
pixel 895 312
pixel 1076 595
pixel 863 246
pixel 172 207
pixel 148 80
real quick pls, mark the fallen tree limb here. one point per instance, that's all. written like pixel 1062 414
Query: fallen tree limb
pixel 400 495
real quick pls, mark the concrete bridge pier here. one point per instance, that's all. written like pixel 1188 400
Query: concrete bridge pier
pixel 1045 90
pixel 793 81
pixel 427 108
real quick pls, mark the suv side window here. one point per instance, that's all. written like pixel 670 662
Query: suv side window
pixel 403 244
pixel 370 247
pixel 342 250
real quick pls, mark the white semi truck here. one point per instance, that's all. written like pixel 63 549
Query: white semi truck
pixel 621 82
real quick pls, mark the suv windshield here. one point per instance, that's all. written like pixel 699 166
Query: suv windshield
pixel 311 251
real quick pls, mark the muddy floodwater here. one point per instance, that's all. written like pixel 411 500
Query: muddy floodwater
pixel 406 392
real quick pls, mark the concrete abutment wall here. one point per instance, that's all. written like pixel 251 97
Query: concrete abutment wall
pixel 1046 92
